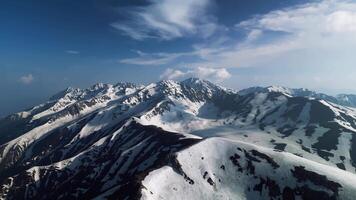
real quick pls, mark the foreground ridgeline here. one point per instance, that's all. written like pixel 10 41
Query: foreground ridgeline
pixel 181 140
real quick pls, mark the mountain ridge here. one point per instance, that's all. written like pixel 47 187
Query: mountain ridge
pixel 110 127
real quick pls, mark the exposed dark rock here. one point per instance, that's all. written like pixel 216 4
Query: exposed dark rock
pixel 205 174
pixel 210 181
pixel 288 194
pixel 265 157
pixel 105 158
pixel 273 188
pixel 341 166
pixel 303 175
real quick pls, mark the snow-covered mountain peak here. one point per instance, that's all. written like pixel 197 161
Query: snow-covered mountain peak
pixel 69 91
pixel 199 83
pixel 192 80
pixel 168 84
pixel 201 88
pixel 99 86
pixel 127 84
pixel 127 141
pixel 280 89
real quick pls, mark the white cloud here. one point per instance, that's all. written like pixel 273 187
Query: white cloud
pixel 309 40
pixel 173 74
pixel 26 79
pixel 312 34
pixel 253 35
pixel 342 21
pixel 162 58
pixel 324 17
pixel 322 29
pixel 72 52
pixel 212 74
pixel 246 56
pixel 168 19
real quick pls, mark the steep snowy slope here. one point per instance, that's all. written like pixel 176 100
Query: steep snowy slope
pixel 42 133
pixel 104 140
pixel 221 169
pixel 308 127
pixel 63 107
pixel 112 167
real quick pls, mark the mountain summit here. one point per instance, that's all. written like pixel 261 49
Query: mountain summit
pixel 181 140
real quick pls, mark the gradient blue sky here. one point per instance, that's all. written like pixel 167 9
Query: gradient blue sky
pixel 46 46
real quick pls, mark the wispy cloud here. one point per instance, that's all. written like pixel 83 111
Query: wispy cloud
pixel 168 19
pixel 299 34
pixel 324 17
pixel 212 74
pixel 72 52
pixel 162 58
pixel 26 79
pixel 253 35
pixel 289 46
pixel 322 28
pixel 152 58
pixel 224 56
pixel 303 33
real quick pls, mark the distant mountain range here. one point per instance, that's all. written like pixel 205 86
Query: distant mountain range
pixel 342 99
pixel 181 140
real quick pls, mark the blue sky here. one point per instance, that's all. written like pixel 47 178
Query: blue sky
pixel 47 46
